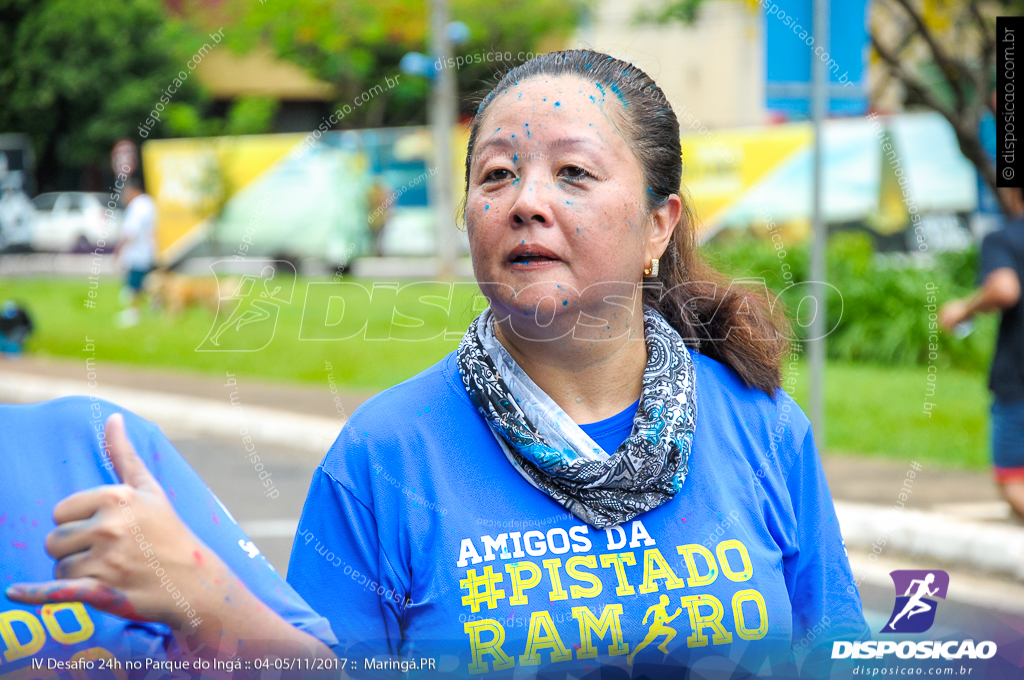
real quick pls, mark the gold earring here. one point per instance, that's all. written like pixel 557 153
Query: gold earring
pixel 653 270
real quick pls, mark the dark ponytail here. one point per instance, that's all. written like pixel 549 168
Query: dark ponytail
pixel 729 323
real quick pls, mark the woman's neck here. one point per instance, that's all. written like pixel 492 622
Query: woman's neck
pixel 591 380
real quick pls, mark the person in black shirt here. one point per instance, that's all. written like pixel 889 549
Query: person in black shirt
pixel 1000 276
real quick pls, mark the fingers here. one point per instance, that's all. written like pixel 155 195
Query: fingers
pixel 129 467
pixel 84 504
pixel 69 538
pixel 74 566
pixel 87 590
pixel 64 590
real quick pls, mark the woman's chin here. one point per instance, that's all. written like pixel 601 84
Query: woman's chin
pixel 534 280
pixel 536 317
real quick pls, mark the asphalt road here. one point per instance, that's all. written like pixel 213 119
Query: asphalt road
pixel 226 468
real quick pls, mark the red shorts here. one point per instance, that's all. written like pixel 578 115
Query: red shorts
pixel 1008 475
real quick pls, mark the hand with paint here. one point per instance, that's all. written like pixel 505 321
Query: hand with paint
pixel 123 549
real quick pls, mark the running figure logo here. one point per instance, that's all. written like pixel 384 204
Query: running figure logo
pixel 914 611
pixel 253 304
pixel 658 627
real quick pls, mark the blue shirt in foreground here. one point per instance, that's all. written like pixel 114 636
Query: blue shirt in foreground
pixel 51 450
pixel 420 540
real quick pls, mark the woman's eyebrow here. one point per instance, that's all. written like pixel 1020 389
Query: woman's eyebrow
pixel 562 143
pixel 569 142
pixel 501 142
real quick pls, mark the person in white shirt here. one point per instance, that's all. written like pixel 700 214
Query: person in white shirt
pixel 137 247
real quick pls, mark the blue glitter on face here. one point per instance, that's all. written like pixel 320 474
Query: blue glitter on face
pixel 487 207
pixel 515 156
pixel 565 302
pixel 558 103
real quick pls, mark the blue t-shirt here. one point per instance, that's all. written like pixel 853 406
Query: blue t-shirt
pixel 443 550
pixel 999 249
pixel 611 432
pixel 51 450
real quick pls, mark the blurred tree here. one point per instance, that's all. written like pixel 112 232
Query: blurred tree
pixel 77 76
pixel 941 52
pixel 358 44
pixel 875 306
pixel 186 120
pixel 251 116
pixel 685 11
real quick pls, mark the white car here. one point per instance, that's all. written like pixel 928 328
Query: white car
pixel 16 216
pixel 73 222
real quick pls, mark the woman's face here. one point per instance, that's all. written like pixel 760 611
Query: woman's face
pixel 556 201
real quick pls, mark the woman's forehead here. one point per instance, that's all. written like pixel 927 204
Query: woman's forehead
pixel 547 104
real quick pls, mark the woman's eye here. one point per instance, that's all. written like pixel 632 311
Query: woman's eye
pixel 573 173
pixel 498 175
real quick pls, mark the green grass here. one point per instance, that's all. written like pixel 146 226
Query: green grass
pixel 879 411
pixel 63 323
pixel 871 410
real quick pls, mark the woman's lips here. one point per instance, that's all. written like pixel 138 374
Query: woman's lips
pixel 532 256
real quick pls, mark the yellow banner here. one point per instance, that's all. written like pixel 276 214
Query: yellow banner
pixel 720 167
pixel 192 179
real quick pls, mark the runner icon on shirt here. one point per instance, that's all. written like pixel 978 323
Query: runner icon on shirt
pixel 658 627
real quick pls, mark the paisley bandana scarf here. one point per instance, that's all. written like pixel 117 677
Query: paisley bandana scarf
pixel 557 457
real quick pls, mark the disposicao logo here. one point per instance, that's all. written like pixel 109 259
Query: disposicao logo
pixel 914 612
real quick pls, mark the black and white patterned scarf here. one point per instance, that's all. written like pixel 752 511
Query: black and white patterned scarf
pixel 558 458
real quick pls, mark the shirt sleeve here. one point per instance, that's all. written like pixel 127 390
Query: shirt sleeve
pixel 996 253
pixel 825 600
pixel 211 522
pixel 338 565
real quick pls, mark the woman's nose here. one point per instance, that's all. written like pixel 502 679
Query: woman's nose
pixel 532 205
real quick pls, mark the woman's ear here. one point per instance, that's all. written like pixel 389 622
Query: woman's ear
pixel 663 223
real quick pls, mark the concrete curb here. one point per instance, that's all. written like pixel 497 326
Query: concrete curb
pixel 312 434
pixel 993 547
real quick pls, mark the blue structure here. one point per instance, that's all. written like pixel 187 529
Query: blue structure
pixel 987 202
pixel 789 45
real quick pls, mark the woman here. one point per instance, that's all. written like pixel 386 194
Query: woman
pixel 605 472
